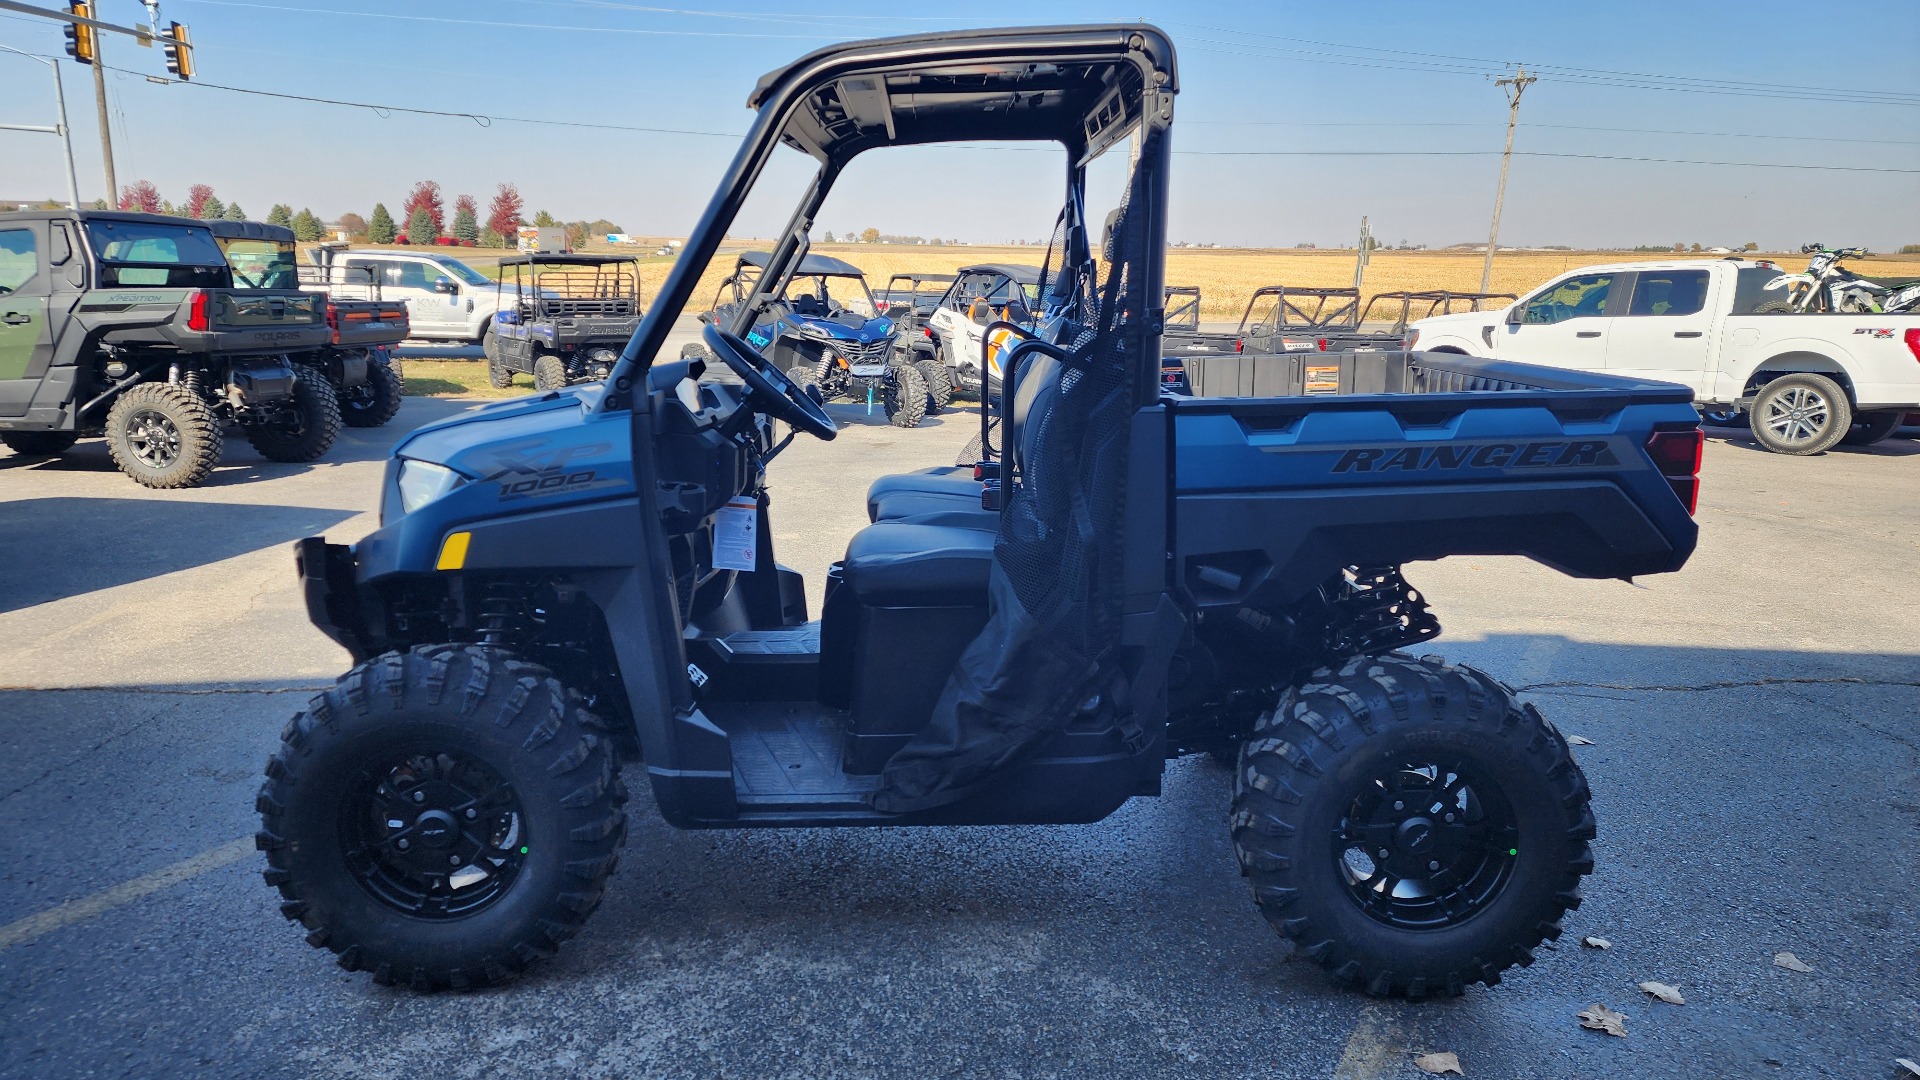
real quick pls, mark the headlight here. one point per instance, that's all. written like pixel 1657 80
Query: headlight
pixel 421 482
pixel 812 330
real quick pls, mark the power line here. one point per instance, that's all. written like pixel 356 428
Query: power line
pixel 1551 127
pixel 1541 154
pixel 494 24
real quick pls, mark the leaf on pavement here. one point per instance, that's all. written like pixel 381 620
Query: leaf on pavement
pixel 1790 962
pixel 1601 1018
pixel 1907 1064
pixel 1579 740
pixel 1664 992
pixel 1596 943
pixel 1439 1064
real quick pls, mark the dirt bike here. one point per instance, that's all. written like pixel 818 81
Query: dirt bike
pixel 1828 286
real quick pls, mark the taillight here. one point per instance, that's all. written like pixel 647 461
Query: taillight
pixel 197 311
pixel 1677 455
pixel 927 330
pixel 1913 342
pixel 1321 344
pixel 333 322
pixel 1412 339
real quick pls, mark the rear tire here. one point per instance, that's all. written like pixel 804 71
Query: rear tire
pixel 1410 826
pixel 425 737
pixel 374 403
pixel 163 436
pixel 499 376
pixel 549 373
pixel 1872 427
pixel 310 429
pixel 939 389
pixel 905 397
pixel 1800 414
pixel 40 443
pixel 1775 307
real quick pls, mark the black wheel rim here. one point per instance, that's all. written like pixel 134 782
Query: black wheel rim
pixel 435 835
pixel 1426 843
pixel 154 438
pixel 361 398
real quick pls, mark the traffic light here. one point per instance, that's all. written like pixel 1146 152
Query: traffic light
pixel 80 35
pixel 179 50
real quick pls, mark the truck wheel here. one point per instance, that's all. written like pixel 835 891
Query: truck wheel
pixel 39 443
pixel 441 817
pixel 498 374
pixel 904 396
pixel 1410 826
pixel 374 402
pixel 305 429
pixel 939 390
pixel 163 435
pixel 1872 427
pixel 549 373
pixel 1799 414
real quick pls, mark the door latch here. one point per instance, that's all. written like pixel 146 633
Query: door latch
pixel 16 318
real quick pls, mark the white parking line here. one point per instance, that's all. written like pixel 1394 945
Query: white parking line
pixel 86 907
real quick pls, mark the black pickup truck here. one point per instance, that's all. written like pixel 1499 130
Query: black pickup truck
pixel 130 326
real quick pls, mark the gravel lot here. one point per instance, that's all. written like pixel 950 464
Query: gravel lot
pixel 1755 747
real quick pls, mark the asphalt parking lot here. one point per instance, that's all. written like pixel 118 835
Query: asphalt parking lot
pixel 1754 757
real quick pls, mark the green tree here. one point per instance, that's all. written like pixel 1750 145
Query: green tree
pixel 1696 246
pixel 214 210
pixel 601 227
pixel 380 229
pixel 1750 246
pixel 308 227
pixel 466 220
pixel 234 213
pixel 98 204
pixel 420 228
pixel 544 220
pixel 827 239
pixel 281 215
pixel 491 239
pixel 1910 249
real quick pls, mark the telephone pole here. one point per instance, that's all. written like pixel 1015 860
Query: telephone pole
pixel 106 136
pixel 1514 85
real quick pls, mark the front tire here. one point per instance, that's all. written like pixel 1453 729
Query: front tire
pixel 1410 826
pixel 303 429
pixel 499 375
pixel 939 387
pixel 374 402
pixel 40 443
pixel 442 817
pixel 1800 414
pixel 905 397
pixel 1872 427
pixel 163 436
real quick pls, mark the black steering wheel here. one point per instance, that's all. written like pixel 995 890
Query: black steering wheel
pixel 784 398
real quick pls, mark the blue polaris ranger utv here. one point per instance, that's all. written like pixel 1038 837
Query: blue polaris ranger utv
pixel 582 583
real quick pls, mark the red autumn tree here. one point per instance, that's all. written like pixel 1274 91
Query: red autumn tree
pixel 426 196
pixel 197 197
pixel 140 195
pixel 503 213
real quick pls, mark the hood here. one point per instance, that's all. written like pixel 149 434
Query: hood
pixel 1460 322
pixel 846 327
pixel 462 442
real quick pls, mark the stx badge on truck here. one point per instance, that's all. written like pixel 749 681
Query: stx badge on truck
pixel 1532 455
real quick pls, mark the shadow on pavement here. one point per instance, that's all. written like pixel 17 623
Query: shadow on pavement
pixel 61 547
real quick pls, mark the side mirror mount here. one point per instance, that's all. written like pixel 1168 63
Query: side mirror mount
pixel 1516 315
pixel 445 285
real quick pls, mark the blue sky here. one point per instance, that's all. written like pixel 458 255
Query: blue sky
pixel 1382 78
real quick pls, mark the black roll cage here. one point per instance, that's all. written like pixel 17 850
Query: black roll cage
pixel 1036 107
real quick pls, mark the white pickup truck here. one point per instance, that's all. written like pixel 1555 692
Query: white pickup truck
pixel 447 300
pixel 1806 382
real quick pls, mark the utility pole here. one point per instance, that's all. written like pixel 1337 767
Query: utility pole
pixel 106 136
pixel 1514 85
pixel 1366 252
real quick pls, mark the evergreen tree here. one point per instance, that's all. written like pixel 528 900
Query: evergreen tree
pixel 466 221
pixel 420 228
pixel 308 227
pixel 281 215
pixel 544 220
pixel 380 229
pixel 234 213
pixel 491 239
pixel 213 209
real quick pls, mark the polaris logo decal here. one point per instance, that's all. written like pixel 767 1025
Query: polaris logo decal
pixel 1575 453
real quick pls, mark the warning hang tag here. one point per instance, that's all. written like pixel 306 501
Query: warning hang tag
pixel 735 528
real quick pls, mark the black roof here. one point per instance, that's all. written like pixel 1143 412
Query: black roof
pixel 811 266
pixel 565 258
pixel 1025 275
pixel 100 215
pixel 250 230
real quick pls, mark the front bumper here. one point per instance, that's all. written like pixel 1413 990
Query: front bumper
pixel 332 595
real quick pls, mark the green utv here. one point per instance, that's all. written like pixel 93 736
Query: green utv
pixel 129 326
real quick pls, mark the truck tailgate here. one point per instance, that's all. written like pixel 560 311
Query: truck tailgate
pixel 367 323
pixel 260 320
pixel 1418 456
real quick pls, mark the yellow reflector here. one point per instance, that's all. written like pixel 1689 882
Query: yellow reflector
pixel 453 552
